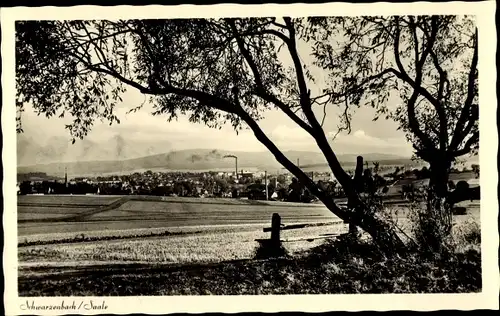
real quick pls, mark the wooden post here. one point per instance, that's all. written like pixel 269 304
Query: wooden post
pixel 265 181
pixel 358 183
pixel 236 166
pixel 275 229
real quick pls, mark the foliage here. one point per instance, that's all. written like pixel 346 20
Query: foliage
pixel 427 63
pixel 419 71
pixel 86 65
pixel 475 168
pixel 431 225
pixel 267 249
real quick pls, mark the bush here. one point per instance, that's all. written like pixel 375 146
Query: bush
pixel 466 236
pixel 430 223
pixel 268 249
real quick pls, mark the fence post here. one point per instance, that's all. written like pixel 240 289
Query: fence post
pixel 275 229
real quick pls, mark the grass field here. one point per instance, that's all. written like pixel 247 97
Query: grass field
pixel 197 245
pixel 193 244
pixel 39 212
pixel 101 239
pixel 327 267
pixel 84 200
pixel 128 213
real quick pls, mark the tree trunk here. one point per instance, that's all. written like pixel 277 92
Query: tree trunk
pixel 439 176
pixel 352 202
pixel 383 235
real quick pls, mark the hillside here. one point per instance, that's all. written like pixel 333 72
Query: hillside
pixel 56 149
pixel 203 159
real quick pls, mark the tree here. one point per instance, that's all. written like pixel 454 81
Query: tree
pixel 222 185
pixel 475 169
pixel 427 63
pixel 25 187
pixel 281 179
pixel 214 70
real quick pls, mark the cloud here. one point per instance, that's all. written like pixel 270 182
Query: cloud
pixel 292 138
pixel 284 133
pixel 360 141
pixel 360 134
pixel 182 134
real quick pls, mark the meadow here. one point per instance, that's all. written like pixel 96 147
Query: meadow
pixel 67 200
pixel 213 236
pixel 138 212
pixel 331 266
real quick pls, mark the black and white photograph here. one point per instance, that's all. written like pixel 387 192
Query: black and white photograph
pixel 281 153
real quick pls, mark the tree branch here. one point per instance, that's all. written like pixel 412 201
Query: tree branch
pixel 362 83
pixel 415 38
pixel 318 133
pixel 467 146
pixel 418 89
pixel 443 122
pixel 278 24
pixel 397 56
pixel 260 91
pixel 458 135
pixel 292 48
pixel 413 122
pixel 296 171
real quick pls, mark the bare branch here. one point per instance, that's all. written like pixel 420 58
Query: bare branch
pixel 296 171
pixel 304 92
pixel 458 135
pixel 278 24
pixel 260 90
pixel 415 37
pixel 246 54
pixel 397 55
pixel 467 146
pixel 443 78
pixel 318 133
pixel 324 114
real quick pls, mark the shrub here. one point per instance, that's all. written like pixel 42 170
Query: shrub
pixel 430 223
pixel 268 249
pixel 465 236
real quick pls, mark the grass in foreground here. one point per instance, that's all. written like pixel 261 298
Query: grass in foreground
pixel 330 268
pixel 340 267
pixel 187 246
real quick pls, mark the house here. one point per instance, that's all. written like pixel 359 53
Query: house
pixel 246 174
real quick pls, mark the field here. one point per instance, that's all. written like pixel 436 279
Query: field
pixel 127 213
pixel 59 236
pixel 149 229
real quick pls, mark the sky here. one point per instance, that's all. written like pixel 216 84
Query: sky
pixel 366 136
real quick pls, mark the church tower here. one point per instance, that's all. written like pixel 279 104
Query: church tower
pixel 66 176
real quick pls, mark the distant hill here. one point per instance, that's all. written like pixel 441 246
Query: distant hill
pixel 36 176
pixel 59 149
pixel 204 159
